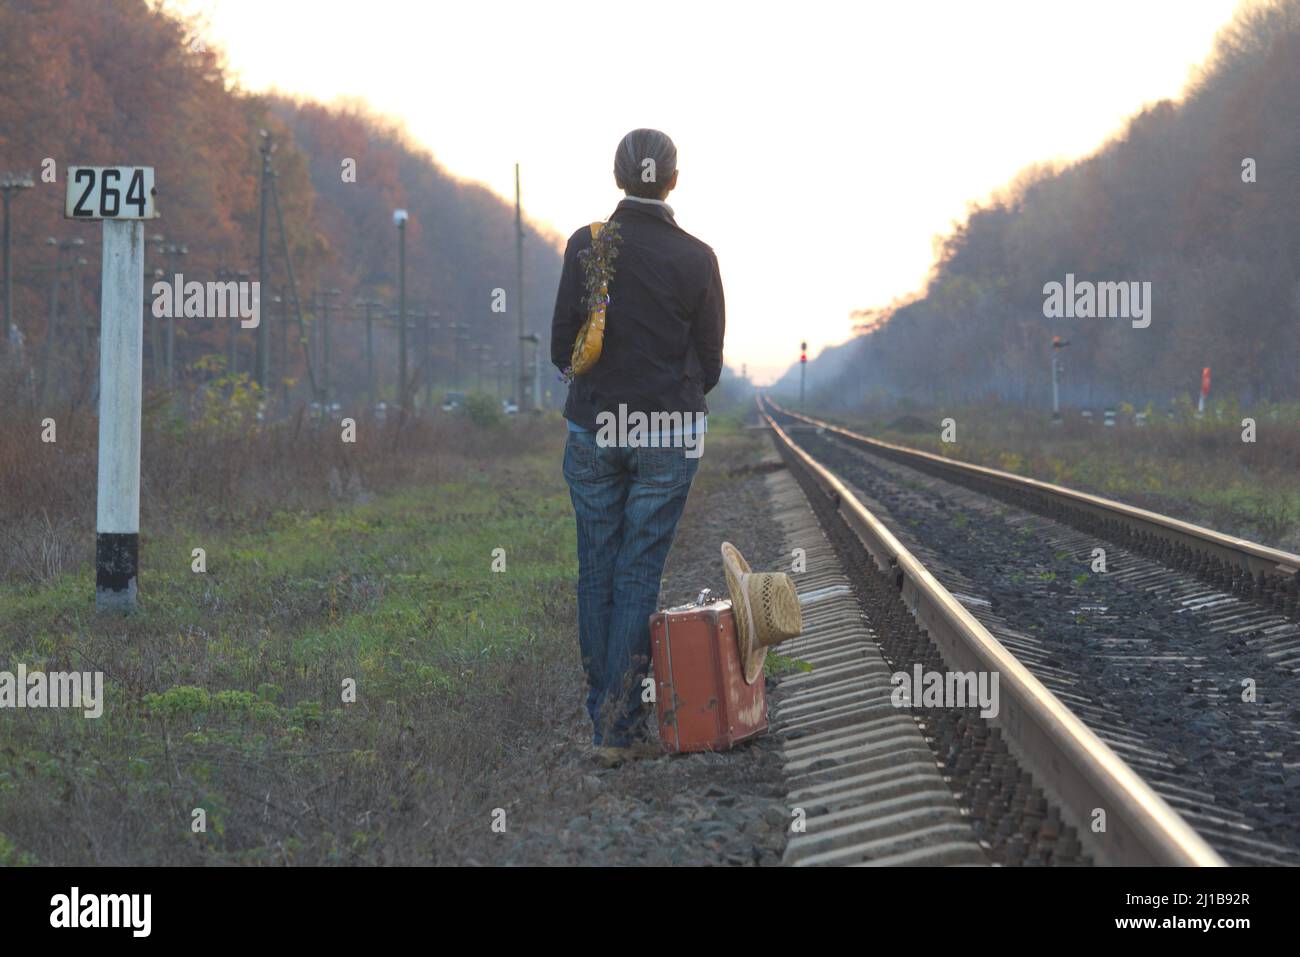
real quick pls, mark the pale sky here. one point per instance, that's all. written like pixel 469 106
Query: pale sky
pixel 822 145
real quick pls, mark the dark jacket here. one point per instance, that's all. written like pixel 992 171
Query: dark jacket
pixel 663 326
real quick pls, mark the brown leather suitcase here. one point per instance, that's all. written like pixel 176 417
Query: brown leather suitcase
pixel 701 697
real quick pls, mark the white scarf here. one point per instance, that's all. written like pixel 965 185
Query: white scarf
pixel 656 202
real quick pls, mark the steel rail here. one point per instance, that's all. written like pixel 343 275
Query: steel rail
pixel 1068 760
pixel 1251 557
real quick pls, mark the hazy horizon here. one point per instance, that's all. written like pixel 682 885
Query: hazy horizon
pixel 811 216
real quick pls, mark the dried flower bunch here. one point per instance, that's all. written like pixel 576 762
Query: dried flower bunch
pixel 597 273
pixel 598 266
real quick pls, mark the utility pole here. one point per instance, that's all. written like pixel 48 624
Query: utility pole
pixel 536 340
pixel 415 348
pixel 803 370
pixel 51 328
pixel 293 283
pixel 223 275
pixel 73 248
pixel 1057 345
pixel 453 333
pixel 537 372
pixel 425 358
pixel 10 184
pixel 170 251
pixel 74 261
pixel 261 369
pixel 282 349
pixel 519 289
pixel 462 338
pixel 399 218
pixel 326 353
pixel 155 346
pixel 369 305
pixel 232 329
pixel 232 342
pixel 320 299
pixel 311 344
pixel 170 345
pixel 429 330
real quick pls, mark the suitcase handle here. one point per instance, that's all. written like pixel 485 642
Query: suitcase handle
pixel 704 596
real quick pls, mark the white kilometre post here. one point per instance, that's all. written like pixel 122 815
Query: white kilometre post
pixel 121 350
pixel 123 197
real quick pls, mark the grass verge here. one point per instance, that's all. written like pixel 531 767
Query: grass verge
pixel 228 694
pixel 1199 470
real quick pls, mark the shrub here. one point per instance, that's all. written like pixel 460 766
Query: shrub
pixel 483 410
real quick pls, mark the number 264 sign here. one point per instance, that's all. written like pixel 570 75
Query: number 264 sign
pixel 110 192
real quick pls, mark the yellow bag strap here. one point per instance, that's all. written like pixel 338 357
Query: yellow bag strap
pixel 595 231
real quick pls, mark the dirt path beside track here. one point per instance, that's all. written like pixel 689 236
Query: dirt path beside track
pixel 696 809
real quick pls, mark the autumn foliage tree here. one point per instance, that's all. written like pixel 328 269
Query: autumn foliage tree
pixel 102 82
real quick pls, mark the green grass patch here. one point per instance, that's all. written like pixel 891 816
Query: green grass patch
pixel 775 665
pixel 227 691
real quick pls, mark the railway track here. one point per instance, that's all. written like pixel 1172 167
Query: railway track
pixel 1122 737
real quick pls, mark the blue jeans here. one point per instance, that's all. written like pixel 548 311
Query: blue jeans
pixel 627 502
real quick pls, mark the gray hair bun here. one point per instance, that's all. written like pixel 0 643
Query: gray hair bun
pixel 644 162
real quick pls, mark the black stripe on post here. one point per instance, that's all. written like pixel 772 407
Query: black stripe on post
pixel 117 560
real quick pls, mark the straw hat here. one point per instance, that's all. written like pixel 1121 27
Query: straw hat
pixel 765 606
